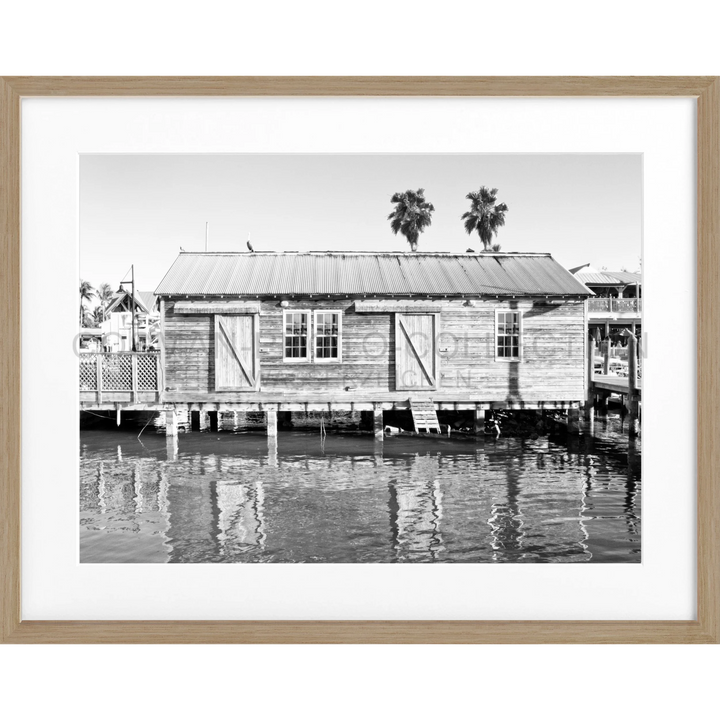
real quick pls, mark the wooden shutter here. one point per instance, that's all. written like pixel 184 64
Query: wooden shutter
pixel 237 366
pixel 416 351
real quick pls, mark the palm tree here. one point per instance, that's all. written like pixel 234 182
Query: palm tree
pixel 485 216
pixel 87 293
pixel 90 317
pixel 412 214
pixel 105 295
pixel 98 316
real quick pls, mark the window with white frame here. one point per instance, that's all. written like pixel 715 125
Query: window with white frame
pixel 328 329
pixel 296 332
pixel 312 336
pixel 508 335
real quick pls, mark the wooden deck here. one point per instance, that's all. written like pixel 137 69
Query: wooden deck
pixel 601 387
pixel 301 402
pixel 614 384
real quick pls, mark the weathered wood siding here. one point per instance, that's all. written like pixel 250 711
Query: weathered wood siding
pixel 552 365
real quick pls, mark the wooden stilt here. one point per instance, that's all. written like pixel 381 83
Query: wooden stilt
pixel 118 414
pixel 378 427
pixel 171 423
pixel 633 415
pixel 479 422
pixel 633 399
pixel 573 416
pixel 589 394
pixel 271 422
pixel 606 356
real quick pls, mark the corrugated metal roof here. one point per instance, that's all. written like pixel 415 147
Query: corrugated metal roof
pixel 606 277
pixel 147 297
pixel 597 278
pixel 357 274
pixel 625 277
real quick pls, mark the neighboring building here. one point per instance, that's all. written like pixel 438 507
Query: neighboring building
pixel 90 340
pixel 117 327
pixel 371 331
pixel 617 304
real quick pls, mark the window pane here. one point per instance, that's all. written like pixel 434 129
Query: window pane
pixel 327 334
pixel 508 334
pixel 296 331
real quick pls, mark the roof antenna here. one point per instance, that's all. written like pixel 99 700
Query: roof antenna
pixel 207 233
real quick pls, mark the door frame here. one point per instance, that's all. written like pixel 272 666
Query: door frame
pixel 401 329
pixel 219 328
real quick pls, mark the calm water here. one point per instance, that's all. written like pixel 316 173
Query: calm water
pixel 223 497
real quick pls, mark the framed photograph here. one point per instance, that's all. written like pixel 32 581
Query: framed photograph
pixel 360 360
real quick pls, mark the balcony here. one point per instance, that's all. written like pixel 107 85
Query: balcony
pixel 615 306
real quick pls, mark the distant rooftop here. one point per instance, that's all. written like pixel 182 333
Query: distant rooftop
pixel 145 299
pixel 367 273
pixel 591 276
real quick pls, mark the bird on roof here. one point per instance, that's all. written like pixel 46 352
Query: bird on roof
pixel 250 247
pixel 181 249
pixel 469 250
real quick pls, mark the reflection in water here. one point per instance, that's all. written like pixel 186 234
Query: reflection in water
pixel 506 517
pixel 240 518
pixel 220 497
pixel 415 508
pixel 171 447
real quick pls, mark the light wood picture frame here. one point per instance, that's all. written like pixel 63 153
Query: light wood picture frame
pixel 705 629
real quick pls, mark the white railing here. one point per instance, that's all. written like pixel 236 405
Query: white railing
pixel 118 372
pixel 616 305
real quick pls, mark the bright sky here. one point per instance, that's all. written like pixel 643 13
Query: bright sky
pixel 140 209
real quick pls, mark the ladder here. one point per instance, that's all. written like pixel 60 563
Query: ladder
pixel 424 416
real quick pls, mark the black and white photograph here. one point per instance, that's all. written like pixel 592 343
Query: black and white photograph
pixel 362 358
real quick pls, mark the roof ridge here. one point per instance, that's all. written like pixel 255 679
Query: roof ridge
pixel 368 273
pixel 397 253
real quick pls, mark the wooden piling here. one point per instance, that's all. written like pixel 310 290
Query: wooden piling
pixel 589 392
pixel 171 423
pixel 606 356
pixel 479 422
pixel 271 421
pixel 573 417
pixel 378 426
pixel 633 398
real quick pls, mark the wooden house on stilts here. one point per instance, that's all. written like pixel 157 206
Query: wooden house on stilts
pixel 371 332
pixel 363 331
